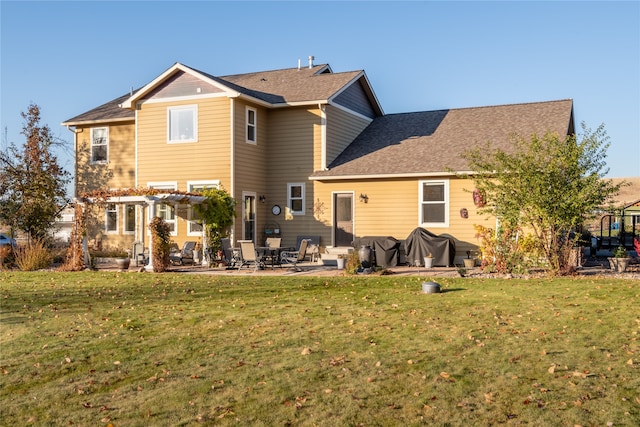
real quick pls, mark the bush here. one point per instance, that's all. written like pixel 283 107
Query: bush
pixel 161 243
pixel 33 256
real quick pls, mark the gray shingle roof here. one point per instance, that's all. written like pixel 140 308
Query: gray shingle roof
pixel 432 141
pixel 286 86
pixel 109 111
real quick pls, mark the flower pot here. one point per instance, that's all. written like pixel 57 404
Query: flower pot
pixel 428 262
pixel 196 256
pixel 469 262
pixel 430 288
pixel 340 262
pixel 619 265
pixel 123 263
pixel 365 256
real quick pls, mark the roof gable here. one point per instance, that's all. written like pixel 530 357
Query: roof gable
pixel 432 142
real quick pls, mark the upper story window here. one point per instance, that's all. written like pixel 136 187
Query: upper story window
pixel 434 203
pixel 99 145
pixel 295 198
pixel 251 126
pixel 182 123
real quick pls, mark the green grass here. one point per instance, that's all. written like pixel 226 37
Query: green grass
pixel 128 349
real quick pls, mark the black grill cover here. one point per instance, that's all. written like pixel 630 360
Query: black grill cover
pixel 385 249
pixel 421 242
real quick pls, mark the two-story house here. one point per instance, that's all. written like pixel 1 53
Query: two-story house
pixel 304 151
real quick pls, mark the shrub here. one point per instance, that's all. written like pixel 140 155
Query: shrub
pixel 33 256
pixel 161 243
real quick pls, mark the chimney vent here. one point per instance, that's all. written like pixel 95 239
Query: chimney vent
pixel 311 58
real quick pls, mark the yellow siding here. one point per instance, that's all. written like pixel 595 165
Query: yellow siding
pixel 293 141
pixel 342 129
pixel 393 210
pixel 119 172
pixel 206 159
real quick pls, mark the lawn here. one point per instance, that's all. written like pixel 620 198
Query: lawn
pixel 129 349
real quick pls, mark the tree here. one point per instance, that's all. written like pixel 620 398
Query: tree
pixel 549 185
pixel 32 183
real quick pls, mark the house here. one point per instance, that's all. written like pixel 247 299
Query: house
pixel 304 151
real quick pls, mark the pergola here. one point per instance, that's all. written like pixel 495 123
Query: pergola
pixel 150 201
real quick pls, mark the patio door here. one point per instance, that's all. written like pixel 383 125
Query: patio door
pixel 249 216
pixel 343 219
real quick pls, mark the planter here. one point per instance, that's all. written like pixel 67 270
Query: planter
pixel 365 256
pixel 196 257
pixel 428 262
pixel 469 262
pixel 430 288
pixel 619 265
pixel 123 263
pixel 340 262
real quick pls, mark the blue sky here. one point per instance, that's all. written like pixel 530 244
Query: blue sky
pixel 69 57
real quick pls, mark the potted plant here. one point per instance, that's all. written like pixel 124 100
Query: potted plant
pixel 620 259
pixel 340 261
pixel 469 262
pixel 428 261
pixel 123 260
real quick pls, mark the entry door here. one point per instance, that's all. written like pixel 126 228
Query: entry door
pixel 343 219
pixel 249 216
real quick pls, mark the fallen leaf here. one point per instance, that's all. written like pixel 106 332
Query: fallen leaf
pixel 552 369
pixel 306 351
pixel 444 375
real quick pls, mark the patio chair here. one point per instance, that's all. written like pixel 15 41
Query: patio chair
pixel 294 257
pixel 273 242
pixel 248 255
pixel 231 257
pixel 185 254
pixel 140 254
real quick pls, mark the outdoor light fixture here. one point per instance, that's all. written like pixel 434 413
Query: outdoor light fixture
pixel 263 198
pixel 364 198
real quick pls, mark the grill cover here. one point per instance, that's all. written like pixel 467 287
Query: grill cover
pixel 421 242
pixel 385 249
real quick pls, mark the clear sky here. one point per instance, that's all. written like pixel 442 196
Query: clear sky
pixel 69 57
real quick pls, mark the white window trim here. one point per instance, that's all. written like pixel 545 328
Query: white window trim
pixel 192 107
pixel 447 197
pixel 302 196
pixel 243 213
pixel 254 141
pixel 190 185
pixel 164 185
pixel 106 128
pixel 106 218
pixel 124 218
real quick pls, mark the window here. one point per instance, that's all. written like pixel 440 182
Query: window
pixel 168 214
pixel 129 219
pixel 164 211
pixel 99 145
pixel 295 198
pixel 251 126
pixel 195 220
pixel 182 123
pixel 111 218
pixel 434 203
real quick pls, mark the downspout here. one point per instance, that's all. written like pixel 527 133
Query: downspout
pixel 75 132
pixel 323 137
pixel 232 167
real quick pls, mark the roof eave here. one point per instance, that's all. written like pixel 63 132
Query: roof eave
pixel 100 121
pixel 387 175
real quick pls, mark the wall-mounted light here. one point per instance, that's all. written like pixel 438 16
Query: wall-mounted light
pixel 263 198
pixel 364 198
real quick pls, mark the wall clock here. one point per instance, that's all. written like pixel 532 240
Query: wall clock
pixel 275 210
